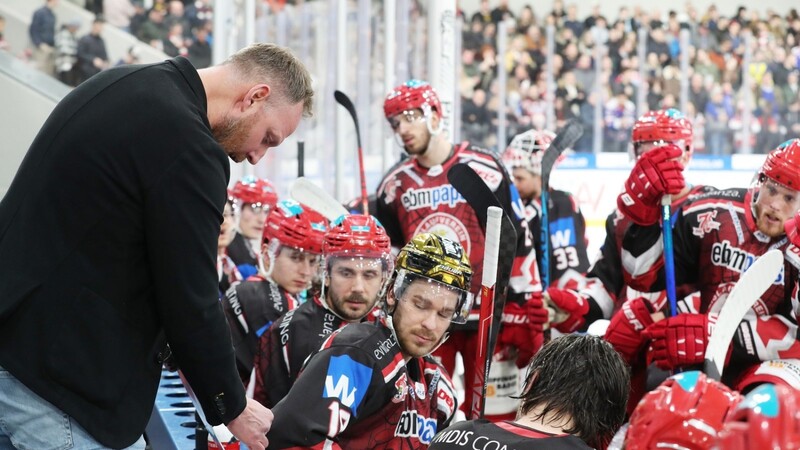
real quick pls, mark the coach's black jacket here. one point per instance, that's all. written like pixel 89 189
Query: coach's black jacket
pixel 108 238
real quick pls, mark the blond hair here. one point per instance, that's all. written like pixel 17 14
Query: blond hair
pixel 277 66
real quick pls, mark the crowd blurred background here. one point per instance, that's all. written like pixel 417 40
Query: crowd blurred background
pixel 735 76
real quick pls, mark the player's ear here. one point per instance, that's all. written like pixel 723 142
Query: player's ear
pixel 266 260
pixel 391 300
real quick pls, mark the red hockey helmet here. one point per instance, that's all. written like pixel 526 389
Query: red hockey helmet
pixel 783 165
pixel 254 191
pixel 526 150
pixel 685 411
pixel 357 235
pixel 768 418
pixel 667 125
pixel 295 225
pixel 412 94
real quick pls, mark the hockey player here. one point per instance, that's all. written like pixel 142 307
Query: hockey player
pixel 227 272
pixel 374 385
pixel 416 197
pixel 605 290
pixel 289 258
pixel 523 158
pixel 687 411
pixel 357 265
pixel 564 406
pixel 768 418
pixel 716 237
pixel 253 198
pixel 605 287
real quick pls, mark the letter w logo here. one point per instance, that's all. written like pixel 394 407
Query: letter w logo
pixel 561 238
pixel 340 390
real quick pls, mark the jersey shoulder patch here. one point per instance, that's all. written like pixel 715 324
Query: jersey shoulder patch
pixel 347 380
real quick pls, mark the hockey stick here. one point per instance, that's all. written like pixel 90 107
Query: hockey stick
pixel 565 138
pixel 478 195
pixel 345 101
pixel 669 256
pixel 199 410
pixel 316 198
pixel 491 249
pixel 751 285
pixel 301 159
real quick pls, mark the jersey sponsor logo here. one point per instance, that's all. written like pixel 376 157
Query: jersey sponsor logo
pixel 562 232
pixel 385 347
pixel 275 296
pixel 412 424
pixel 457 437
pixel 448 226
pixel 706 223
pixel 724 254
pixel 283 327
pixel 347 380
pixel 414 199
pixel 327 325
pixel 562 239
pixel 233 300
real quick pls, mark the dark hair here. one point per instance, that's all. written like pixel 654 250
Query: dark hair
pixel 579 377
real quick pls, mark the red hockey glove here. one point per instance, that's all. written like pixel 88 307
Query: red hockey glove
pixel 678 341
pixel 522 327
pixel 624 332
pixel 656 173
pixel 571 303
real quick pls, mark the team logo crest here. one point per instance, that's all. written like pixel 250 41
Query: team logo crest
pixel 400 389
pixel 707 223
pixel 447 226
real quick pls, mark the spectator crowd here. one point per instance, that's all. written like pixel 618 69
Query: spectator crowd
pixel 717 100
pixel 596 60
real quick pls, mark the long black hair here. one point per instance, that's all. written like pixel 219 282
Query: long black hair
pixel 582 378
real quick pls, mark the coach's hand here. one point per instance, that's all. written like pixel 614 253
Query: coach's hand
pixel 252 425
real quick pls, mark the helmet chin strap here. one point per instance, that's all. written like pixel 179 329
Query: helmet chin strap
pixel 272 251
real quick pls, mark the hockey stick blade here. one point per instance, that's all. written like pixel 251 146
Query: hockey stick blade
pixel 345 101
pixel 751 285
pixel 199 410
pixel 494 217
pixel 316 198
pixel 565 138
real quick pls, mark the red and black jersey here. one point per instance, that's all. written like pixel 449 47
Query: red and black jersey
pixel 250 307
pixel 284 348
pixel 715 240
pixel 605 280
pixel 567 234
pixel 482 434
pixel 358 392
pixel 413 199
pixel 241 251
